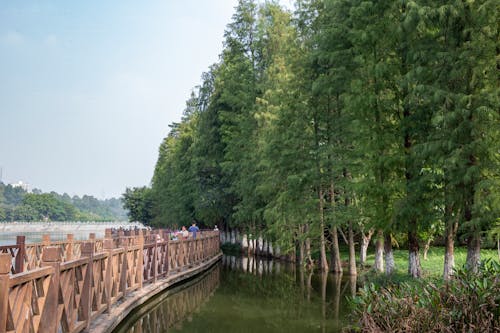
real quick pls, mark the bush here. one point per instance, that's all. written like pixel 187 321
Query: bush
pixel 468 303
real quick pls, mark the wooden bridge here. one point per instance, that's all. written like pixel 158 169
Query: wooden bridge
pixel 74 286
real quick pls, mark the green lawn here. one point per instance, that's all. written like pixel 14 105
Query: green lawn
pixel 433 266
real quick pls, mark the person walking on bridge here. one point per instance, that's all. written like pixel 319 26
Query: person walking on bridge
pixel 194 229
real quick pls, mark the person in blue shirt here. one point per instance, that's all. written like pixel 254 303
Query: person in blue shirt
pixel 194 229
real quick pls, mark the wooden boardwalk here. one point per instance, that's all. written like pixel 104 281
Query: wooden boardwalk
pixel 74 286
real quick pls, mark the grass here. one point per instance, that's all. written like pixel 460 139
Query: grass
pixel 431 268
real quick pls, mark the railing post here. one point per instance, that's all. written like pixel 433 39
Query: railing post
pixel 46 240
pixel 122 242
pixel 5 262
pixel 140 260
pixel 121 237
pixel 88 250
pixel 21 253
pixel 108 246
pixel 155 261
pixel 166 256
pixel 70 238
pixel 51 256
pixel 108 233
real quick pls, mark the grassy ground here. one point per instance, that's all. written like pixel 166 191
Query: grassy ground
pixel 433 266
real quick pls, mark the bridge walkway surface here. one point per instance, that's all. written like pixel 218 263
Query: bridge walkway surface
pixel 90 286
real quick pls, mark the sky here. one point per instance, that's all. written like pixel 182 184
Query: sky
pixel 88 88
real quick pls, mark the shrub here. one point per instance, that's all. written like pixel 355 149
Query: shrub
pixel 467 303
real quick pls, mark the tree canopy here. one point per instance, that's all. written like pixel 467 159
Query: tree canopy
pixel 343 116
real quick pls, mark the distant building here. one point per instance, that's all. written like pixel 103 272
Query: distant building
pixel 21 184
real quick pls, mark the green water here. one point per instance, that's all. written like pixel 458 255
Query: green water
pixel 247 295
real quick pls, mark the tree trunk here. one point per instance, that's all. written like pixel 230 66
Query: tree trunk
pixel 414 268
pixel 449 254
pixel 336 264
pixel 365 242
pixel 302 251
pixel 350 242
pixel 426 247
pixel 379 252
pixel 473 252
pixel 388 254
pixel 352 252
pixel 308 259
pixel 322 244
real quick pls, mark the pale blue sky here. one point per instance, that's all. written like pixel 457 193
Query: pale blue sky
pixel 88 88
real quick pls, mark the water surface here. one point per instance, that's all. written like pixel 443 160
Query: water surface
pixel 248 295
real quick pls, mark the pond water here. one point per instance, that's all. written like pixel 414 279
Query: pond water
pixel 248 295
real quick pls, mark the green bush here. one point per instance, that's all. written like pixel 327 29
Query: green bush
pixel 467 303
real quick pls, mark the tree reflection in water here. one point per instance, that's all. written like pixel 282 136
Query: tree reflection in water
pixel 174 306
pixel 247 294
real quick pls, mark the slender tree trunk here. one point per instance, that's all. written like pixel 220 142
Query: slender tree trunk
pixel 473 252
pixel 474 240
pixel 335 263
pixel 390 266
pixel 426 247
pixel 352 252
pixel 322 244
pixel 449 252
pixel 309 261
pixel 302 250
pixel 414 268
pixel 353 285
pixel 249 246
pixel 379 252
pixel 365 242
pixel 292 256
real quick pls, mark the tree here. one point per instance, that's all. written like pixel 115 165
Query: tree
pixel 47 206
pixel 139 203
pixel 13 195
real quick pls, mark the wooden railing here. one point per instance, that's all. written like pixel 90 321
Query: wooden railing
pixel 62 286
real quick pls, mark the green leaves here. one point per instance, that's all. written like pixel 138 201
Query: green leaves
pixel 381 112
pixel 139 203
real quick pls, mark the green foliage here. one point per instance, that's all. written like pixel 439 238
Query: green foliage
pixel 18 205
pixel 383 113
pixel 13 196
pixel 139 203
pixel 468 302
pixel 45 207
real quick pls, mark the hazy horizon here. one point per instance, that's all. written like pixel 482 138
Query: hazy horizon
pixel 88 89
